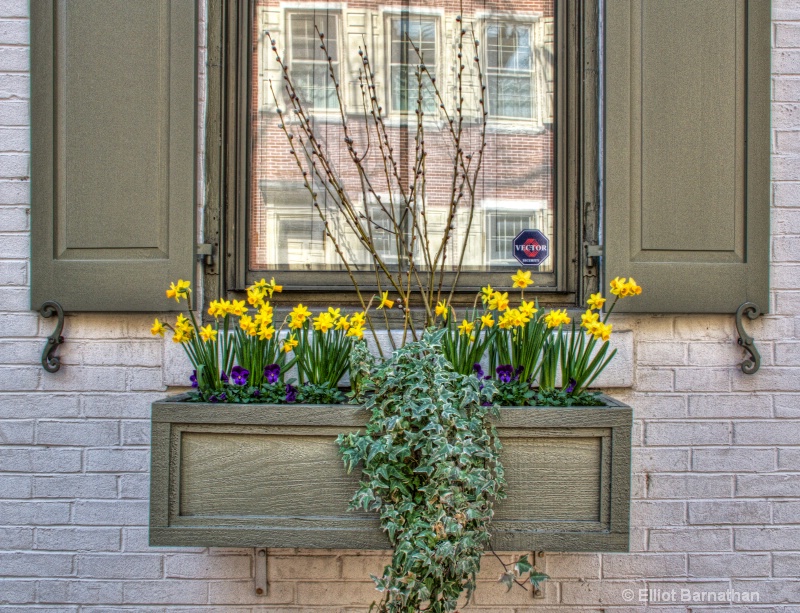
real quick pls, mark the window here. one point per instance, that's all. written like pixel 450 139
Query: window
pixel 534 121
pixel 309 64
pixel 412 41
pixel 509 66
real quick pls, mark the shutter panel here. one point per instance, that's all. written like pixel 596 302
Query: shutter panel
pixel 113 99
pixel 687 145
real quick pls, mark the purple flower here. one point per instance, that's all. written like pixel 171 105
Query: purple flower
pixel 571 386
pixel 272 372
pixel 478 370
pixel 291 393
pixel 505 373
pixel 213 398
pixel 193 378
pixel 256 393
pixel 239 375
pixel 223 376
pixel 223 396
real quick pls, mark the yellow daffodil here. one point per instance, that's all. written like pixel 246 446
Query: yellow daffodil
pixel 589 317
pixel 499 301
pixel 265 333
pixel 261 284
pixel 599 330
pixel 264 315
pixel 487 321
pixel 247 324
pixel 179 290
pixel 622 288
pixel 505 322
pixel 323 322
pixel 256 296
pixel 596 301
pixel 522 279
pixel 237 308
pixel 486 293
pixel 301 313
pixel 385 302
pixel 466 327
pixel 556 318
pixel 441 309
pixel 335 313
pixel 208 333
pixel 296 323
pixel 358 319
pixel 158 328
pixel 528 308
pixel 290 343
pixel 342 323
pixel 356 331
pixel 216 308
pixel 273 287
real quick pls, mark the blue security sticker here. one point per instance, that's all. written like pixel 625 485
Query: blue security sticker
pixel 531 247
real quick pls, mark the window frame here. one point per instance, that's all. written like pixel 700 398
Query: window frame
pixel 232 26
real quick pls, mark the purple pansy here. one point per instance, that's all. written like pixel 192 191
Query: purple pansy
pixel 291 393
pixel 272 372
pixel 223 376
pixel 478 370
pixel 571 387
pixel 223 396
pixel 239 375
pixel 213 398
pixel 505 373
pixel 193 378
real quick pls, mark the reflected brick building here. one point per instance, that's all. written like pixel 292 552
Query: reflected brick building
pixel 515 190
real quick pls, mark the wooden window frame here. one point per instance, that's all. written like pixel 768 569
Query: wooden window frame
pixel 227 166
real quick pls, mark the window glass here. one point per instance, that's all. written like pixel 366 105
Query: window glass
pixel 516 184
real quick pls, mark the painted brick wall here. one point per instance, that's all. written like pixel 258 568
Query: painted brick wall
pixel 716 459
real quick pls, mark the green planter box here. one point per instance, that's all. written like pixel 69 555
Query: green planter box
pixel 270 476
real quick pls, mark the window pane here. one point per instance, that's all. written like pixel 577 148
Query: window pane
pixel 514 190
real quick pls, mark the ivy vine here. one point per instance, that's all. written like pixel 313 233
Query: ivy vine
pixel 431 469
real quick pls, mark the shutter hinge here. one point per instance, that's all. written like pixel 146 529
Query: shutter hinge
pixel 205 254
pixel 591 252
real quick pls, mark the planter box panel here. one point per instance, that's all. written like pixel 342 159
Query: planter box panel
pixel 537 470
pixel 271 476
pixel 262 474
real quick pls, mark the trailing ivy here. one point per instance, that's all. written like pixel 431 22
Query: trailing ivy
pixel 431 469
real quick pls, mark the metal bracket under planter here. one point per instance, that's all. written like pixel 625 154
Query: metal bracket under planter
pixel 271 476
pixel 261 561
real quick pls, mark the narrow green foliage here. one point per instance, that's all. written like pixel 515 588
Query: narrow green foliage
pixel 322 357
pixel 522 346
pixel 430 465
pixel 463 348
pixel 579 361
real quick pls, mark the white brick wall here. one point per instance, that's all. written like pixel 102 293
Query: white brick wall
pixel 716 488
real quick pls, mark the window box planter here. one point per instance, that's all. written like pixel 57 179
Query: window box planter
pixel 227 475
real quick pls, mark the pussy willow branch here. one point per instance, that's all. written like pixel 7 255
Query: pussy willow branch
pixel 314 198
pixel 407 195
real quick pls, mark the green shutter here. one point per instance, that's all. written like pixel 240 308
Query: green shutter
pixel 687 146
pixel 113 97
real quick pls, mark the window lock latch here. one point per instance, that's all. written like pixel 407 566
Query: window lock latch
pixel 205 254
pixel 591 252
